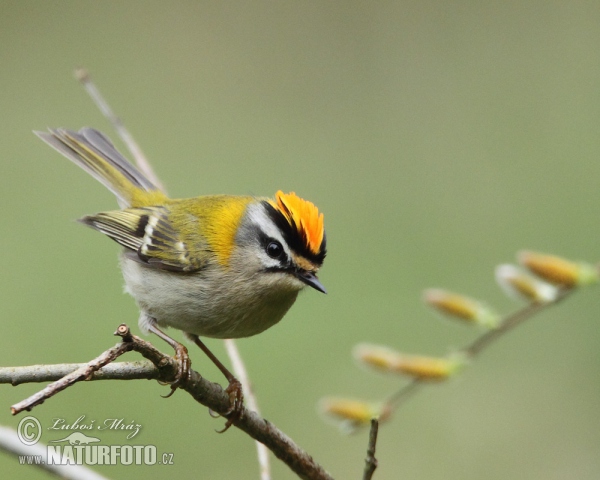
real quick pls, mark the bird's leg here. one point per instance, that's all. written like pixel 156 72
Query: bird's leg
pixel 181 355
pixel 234 389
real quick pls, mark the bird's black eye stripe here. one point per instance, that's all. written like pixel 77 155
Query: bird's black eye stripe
pixel 294 238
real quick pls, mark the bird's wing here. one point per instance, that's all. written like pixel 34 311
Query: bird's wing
pixel 149 238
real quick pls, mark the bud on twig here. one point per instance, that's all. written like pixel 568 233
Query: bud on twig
pixel 557 270
pixel 516 283
pixel 459 306
pixel 353 413
pixel 423 368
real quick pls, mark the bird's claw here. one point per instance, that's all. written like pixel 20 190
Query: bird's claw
pixel 184 366
pixel 236 402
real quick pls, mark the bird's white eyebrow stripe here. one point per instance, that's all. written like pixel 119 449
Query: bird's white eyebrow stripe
pixel 259 218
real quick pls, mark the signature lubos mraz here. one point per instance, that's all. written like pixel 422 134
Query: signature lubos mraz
pixel 81 424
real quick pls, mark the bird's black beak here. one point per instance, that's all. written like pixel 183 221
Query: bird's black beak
pixel 311 280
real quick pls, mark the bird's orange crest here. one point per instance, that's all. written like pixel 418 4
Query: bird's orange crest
pixel 304 217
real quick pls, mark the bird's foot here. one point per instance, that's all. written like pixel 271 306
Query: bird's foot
pixel 236 403
pixel 184 366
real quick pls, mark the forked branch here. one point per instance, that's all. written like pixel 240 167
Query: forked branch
pixel 161 367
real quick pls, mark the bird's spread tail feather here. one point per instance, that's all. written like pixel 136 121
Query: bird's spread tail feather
pixel 94 153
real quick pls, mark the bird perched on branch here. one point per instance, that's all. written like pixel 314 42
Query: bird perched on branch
pixel 220 266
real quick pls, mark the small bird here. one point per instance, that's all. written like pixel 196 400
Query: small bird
pixel 219 266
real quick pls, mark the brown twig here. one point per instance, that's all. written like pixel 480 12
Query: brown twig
pixel 371 462
pixel 82 373
pixel 140 159
pixel 403 394
pixel 481 343
pixel 205 392
pixel 511 321
pixel 140 370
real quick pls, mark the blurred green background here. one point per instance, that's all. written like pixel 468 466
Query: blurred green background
pixel 437 137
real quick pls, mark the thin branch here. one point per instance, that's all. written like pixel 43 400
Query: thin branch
pixel 10 443
pixel 82 373
pixel 403 394
pixel 136 152
pixel 242 375
pixel 481 343
pixel 141 370
pixel 205 392
pixel 511 321
pixel 371 462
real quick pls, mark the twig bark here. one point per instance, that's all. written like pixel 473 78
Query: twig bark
pixel 371 461
pixel 82 373
pixel 164 368
pixel 511 321
pixel 140 370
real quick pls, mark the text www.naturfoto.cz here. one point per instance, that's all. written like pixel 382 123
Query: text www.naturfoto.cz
pixel 98 455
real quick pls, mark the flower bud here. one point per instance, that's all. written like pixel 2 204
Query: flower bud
pixel 518 284
pixel 557 270
pixel 353 413
pixel 423 368
pixel 462 307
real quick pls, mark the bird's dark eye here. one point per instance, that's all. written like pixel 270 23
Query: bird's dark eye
pixel 274 249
